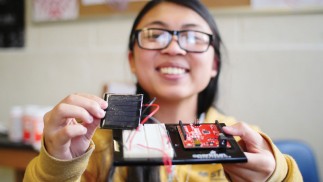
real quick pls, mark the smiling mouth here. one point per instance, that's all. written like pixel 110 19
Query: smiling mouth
pixel 172 70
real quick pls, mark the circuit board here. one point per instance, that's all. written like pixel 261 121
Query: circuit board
pixel 178 143
pixel 197 136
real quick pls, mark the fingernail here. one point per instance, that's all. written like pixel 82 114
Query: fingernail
pixel 104 104
pixel 102 113
pixel 90 119
pixel 84 130
pixel 227 128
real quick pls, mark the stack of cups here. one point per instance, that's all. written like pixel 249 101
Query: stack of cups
pixel 26 124
pixel 15 124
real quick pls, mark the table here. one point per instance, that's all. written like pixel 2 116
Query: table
pixel 16 156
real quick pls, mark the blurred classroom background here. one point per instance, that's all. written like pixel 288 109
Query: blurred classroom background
pixel 272 68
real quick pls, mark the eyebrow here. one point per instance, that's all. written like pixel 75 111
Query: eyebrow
pixel 160 23
pixel 157 23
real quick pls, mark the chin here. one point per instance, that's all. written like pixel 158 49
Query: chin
pixel 174 94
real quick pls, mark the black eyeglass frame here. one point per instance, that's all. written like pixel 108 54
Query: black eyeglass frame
pixel 172 32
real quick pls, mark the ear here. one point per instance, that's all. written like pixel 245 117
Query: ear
pixel 215 67
pixel 131 60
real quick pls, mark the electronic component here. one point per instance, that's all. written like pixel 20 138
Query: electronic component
pixel 206 135
pixel 160 144
pixel 182 130
pixel 147 141
pixel 232 153
pixel 123 111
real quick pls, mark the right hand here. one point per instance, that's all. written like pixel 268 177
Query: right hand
pixel 64 137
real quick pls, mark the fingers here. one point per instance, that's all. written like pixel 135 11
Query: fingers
pixel 103 104
pixel 256 162
pixel 93 104
pixel 64 111
pixel 91 128
pixel 66 138
pixel 259 167
pixel 71 130
pixel 261 162
pixel 243 130
pixel 264 162
pixel 236 173
pixel 252 139
pixel 83 107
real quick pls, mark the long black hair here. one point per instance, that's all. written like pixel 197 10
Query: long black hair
pixel 208 95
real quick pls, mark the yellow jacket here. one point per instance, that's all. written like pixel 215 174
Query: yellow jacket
pixel 95 163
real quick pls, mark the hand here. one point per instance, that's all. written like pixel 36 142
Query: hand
pixel 261 162
pixel 65 138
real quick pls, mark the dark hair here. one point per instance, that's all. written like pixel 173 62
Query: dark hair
pixel 207 96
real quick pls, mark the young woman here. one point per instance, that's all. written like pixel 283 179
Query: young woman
pixel 174 52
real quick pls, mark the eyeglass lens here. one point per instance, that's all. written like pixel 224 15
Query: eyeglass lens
pixel 188 40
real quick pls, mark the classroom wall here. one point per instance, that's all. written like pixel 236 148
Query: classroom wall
pixel 271 71
pixel 273 74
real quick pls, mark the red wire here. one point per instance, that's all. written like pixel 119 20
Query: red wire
pixel 167 161
pixel 144 121
pixel 151 114
pixel 132 137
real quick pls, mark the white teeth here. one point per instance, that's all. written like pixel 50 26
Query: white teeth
pixel 172 70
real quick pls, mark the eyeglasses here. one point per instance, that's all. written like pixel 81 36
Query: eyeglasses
pixel 188 40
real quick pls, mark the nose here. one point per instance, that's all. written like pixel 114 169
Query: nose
pixel 173 48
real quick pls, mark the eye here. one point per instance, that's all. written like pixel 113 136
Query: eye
pixel 153 34
pixel 158 36
pixel 193 37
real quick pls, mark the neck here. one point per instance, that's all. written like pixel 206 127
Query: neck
pixel 170 112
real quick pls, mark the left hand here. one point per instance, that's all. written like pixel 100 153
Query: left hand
pixel 261 162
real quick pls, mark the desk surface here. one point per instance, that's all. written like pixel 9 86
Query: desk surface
pixel 5 143
pixel 15 155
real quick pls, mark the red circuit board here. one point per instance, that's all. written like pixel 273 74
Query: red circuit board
pixel 200 136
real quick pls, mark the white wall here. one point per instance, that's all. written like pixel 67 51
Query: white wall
pixel 272 71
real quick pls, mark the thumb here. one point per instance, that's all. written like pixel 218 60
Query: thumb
pixel 251 138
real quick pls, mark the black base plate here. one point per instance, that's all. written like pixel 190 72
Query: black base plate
pixel 183 156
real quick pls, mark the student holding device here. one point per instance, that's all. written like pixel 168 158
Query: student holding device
pixel 174 52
